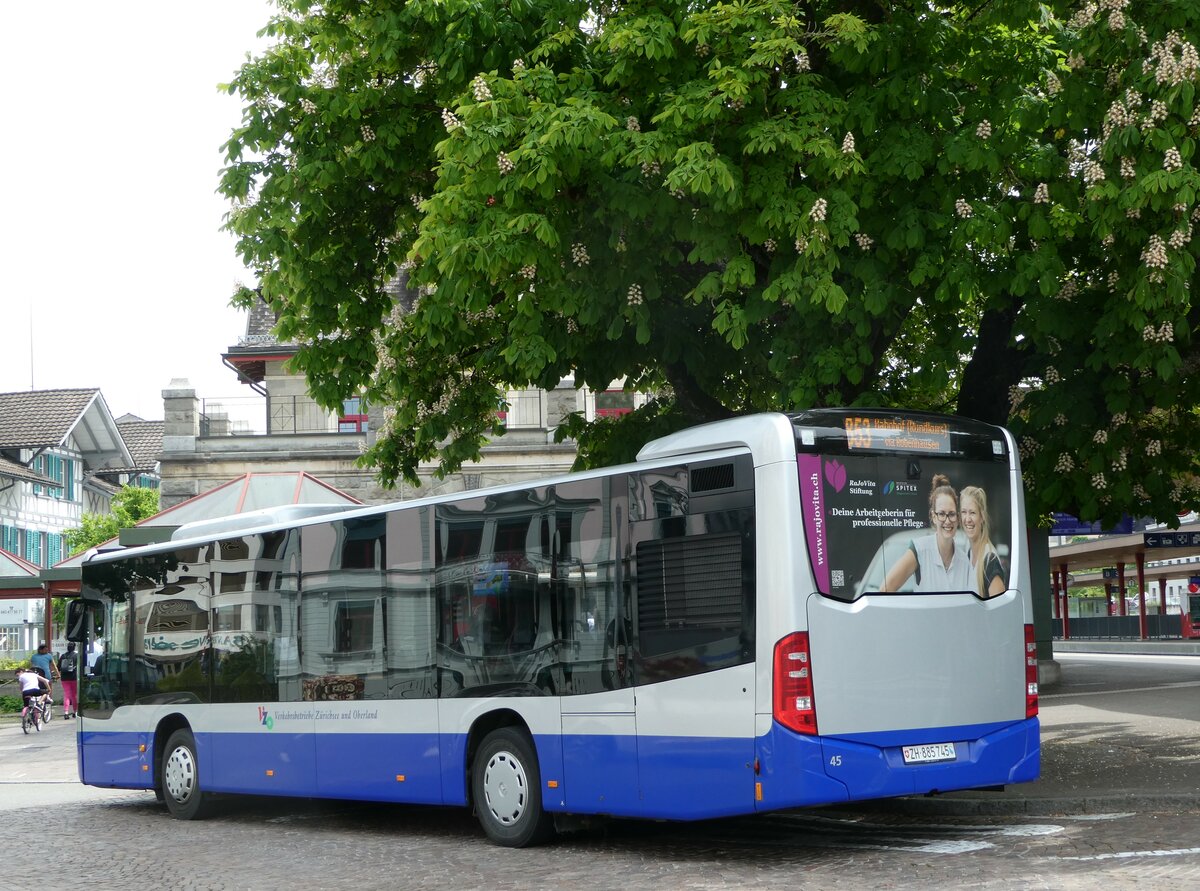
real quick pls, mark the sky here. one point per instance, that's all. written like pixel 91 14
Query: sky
pixel 114 271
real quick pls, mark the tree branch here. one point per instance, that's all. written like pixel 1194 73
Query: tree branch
pixel 691 398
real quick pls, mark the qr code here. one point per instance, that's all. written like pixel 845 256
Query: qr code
pixel 838 578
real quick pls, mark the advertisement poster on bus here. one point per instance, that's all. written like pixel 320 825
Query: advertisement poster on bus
pixel 906 523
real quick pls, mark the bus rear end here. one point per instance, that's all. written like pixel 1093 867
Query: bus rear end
pixel 909 666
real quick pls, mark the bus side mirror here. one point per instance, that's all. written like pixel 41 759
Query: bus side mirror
pixel 77 621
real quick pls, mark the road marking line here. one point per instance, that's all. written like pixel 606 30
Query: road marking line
pixel 1128 855
pixel 1123 690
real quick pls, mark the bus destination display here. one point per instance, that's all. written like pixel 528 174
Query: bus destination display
pixel 895 433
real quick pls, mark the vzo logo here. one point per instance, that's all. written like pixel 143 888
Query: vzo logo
pixel 264 718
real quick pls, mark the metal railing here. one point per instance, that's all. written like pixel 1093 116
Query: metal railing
pixel 524 409
pixel 254 415
pixel 1119 627
pixel 258 415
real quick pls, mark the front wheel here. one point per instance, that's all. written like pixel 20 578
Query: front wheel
pixel 507 788
pixel 47 709
pixel 179 777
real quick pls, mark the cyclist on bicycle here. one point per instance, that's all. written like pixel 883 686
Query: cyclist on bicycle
pixel 33 687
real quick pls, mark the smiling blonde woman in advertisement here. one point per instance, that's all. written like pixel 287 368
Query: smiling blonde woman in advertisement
pixel 989 572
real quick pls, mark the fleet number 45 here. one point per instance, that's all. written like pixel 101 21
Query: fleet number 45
pixel 835 760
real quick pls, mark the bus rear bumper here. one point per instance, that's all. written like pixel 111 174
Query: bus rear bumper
pixel 874 766
pixel 802 771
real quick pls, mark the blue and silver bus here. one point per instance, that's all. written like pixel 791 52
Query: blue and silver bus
pixel 767 612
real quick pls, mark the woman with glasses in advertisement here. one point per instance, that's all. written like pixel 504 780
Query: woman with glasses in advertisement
pixel 988 571
pixel 935 560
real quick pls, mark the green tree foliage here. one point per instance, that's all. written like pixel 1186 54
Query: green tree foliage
pixel 130 506
pixel 979 207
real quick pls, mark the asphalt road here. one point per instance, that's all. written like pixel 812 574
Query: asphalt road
pixel 119 839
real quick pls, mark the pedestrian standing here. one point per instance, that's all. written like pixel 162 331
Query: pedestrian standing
pixel 43 663
pixel 68 671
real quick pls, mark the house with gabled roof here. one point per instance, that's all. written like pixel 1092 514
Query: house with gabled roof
pixel 55 446
pixel 145 441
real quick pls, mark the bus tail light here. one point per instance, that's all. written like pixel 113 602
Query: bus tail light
pixel 794 705
pixel 1031 673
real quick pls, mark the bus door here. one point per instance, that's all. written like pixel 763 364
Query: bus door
pixel 694 581
pixel 599 733
pixel 695 693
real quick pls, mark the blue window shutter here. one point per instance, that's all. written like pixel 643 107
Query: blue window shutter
pixel 53 548
pixel 70 479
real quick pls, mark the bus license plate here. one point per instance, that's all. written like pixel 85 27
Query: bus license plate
pixel 926 754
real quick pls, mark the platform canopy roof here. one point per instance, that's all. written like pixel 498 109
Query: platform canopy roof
pixel 1086 560
pixel 244 494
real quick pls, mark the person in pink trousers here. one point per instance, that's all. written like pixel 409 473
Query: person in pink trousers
pixel 68 672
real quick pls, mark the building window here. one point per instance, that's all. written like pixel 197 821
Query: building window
pixel 33 547
pixel 58 469
pixel 354 626
pixel 353 418
pixel 613 403
pixel 54 548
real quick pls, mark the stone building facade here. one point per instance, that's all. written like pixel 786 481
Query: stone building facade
pixel 199 454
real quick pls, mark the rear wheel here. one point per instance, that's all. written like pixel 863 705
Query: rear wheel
pixel 507 788
pixel 179 777
pixel 26 719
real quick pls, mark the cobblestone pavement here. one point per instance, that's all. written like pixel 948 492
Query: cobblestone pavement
pixel 129 841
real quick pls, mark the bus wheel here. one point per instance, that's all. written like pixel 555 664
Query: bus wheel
pixel 507 789
pixel 180 780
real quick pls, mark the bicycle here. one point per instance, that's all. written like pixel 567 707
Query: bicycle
pixel 30 717
pixel 47 708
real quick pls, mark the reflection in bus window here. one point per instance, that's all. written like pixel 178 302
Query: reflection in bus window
pixel 344 609
pixel 354 626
